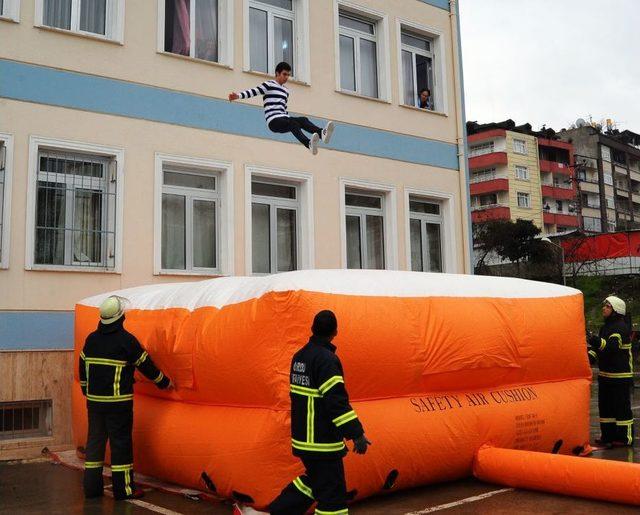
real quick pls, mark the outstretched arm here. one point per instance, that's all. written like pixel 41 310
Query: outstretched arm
pixel 248 93
pixel 142 361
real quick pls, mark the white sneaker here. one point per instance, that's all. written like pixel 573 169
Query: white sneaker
pixel 327 132
pixel 313 144
pixel 239 509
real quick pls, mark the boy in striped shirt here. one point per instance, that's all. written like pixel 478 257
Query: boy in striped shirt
pixel 275 96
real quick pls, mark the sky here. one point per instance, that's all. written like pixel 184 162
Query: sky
pixel 552 61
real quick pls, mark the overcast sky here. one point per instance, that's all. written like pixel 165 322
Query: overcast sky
pixel 552 61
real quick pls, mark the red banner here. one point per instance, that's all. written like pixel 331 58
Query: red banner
pixel 602 246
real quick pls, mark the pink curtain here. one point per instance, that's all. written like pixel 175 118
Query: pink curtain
pixel 181 38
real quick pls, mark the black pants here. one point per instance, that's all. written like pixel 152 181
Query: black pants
pixel 616 417
pixel 323 482
pixel 295 125
pixel 116 425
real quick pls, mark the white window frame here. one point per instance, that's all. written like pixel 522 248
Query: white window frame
pixel 525 175
pixel 481 149
pixel 7 141
pixel 486 174
pixel 516 142
pixel 114 21
pixel 11 11
pixel 606 153
pixel 223 171
pixel 525 196
pixel 381 22
pixel 439 62
pixel 302 52
pixel 305 221
pixel 390 217
pixel 225 35
pixel 610 200
pixel 447 221
pixel 607 177
pixel 115 153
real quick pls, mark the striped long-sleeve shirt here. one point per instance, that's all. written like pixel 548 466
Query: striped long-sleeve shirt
pixel 274 96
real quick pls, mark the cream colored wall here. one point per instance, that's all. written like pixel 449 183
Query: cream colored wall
pixel 139 61
pixel 140 139
pixel 531 186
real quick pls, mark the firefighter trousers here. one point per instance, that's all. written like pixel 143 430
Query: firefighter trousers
pixel 323 482
pixel 616 417
pixel 115 425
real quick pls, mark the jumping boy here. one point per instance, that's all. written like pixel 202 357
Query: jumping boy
pixel 275 96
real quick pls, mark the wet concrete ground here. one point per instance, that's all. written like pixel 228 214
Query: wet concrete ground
pixel 43 487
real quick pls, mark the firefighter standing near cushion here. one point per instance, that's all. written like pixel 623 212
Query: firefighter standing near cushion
pixel 107 363
pixel 321 418
pixel 612 350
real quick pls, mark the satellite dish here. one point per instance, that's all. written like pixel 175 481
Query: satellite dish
pixel 580 122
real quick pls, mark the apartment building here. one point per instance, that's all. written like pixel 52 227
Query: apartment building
pixel 608 177
pixel 516 173
pixel 122 162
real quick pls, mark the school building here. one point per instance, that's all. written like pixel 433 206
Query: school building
pixel 122 162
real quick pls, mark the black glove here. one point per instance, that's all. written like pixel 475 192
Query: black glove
pixel 360 444
pixel 593 340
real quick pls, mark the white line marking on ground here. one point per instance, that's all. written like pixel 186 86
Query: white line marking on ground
pixel 153 507
pixel 453 504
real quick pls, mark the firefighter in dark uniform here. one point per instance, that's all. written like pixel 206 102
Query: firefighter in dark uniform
pixel 107 363
pixel 611 348
pixel 321 419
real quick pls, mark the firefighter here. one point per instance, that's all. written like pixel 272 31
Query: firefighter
pixel 611 348
pixel 321 419
pixel 107 363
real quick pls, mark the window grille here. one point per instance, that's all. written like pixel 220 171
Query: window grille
pixel 25 419
pixel 75 210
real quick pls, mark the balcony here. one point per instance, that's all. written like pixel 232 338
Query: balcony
pixel 488 160
pixel 564 219
pixel 558 193
pixel 490 212
pixel 554 167
pixel 490 186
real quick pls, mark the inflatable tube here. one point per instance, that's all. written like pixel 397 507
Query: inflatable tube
pixel 436 365
pixel 604 480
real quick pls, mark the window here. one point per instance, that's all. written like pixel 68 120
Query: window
pixel 274 226
pixel 592 224
pixel 101 18
pixel 365 230
pixel 190 220
pixel 481 149
pixel 10 9
pixel 611 226
pixel 522 172
pixel 523 200
pixel 425 227
pixel 606 153
pixel 74 206
pixel 519 146
pixel 559 206
pixel 6 148
pixel 608 178
pixel 272 34
pixel 196 28
pixel 479 201
pixel 417 69
pixel 483 175
pixel 25 419
pixel 358 42
pixel 610 202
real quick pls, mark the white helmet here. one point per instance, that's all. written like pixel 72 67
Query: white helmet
pixel 112 309
pixel 617 304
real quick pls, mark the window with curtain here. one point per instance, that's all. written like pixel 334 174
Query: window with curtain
pixel 75 210
pixel 274 226
pixel 425 231
pixel 358 55
pixel 519 146
pixel 190 226
pixel 192 28
pixel 2 9
pixel 417 69
pixel 271 34
pixel 365 230
pixel 524 200
pixel 86 16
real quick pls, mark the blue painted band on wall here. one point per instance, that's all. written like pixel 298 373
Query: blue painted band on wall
pixel 36 330
pixel 442 4
pixel 74 90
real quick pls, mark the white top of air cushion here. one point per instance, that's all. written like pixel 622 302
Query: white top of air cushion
pixel 224 291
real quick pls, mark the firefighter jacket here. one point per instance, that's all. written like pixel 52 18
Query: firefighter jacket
pixel 321 416
pixel 612 349
pixel 107 363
